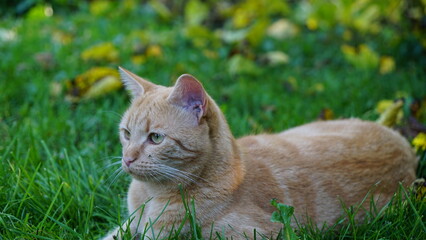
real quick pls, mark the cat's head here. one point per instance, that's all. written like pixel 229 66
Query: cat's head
pixel 165 132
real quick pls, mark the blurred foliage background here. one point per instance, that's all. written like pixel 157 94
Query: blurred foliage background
pixel 269 64
pixel 304 47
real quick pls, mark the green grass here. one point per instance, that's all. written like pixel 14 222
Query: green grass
pixel 57 176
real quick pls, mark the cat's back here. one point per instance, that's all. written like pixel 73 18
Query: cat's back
pixel 350 140
pixel 317 163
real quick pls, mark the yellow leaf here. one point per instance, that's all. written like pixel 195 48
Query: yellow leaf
pixel 390 116
pixel 419 141
pixel 103 86
pixel 363 57
pixel 257 32
pixel 312 23
pixel 326 114
pixel 101 52
pixel 241 18
pixel 154 51
pixel 387 65
pixel 82 85
pixel 383 105
pixel 347 50
pixel 419 188
pixel 100 7
pixel 138 59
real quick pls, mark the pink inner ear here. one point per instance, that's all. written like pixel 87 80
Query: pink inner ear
pixel 189 93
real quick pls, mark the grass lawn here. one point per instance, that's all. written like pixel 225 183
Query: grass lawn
pixel 58 174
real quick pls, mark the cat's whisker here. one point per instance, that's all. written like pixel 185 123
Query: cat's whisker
pixel 152 176
pixel 188 175
pixel 176 173
pixel 192 175
pixel 114 176
pixel 112 164
pixel 170 175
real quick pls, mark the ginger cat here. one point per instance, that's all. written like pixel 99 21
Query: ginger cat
pixel 177 135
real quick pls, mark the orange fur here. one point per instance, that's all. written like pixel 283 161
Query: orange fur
pixel 312 167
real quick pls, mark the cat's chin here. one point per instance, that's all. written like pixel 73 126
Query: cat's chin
pixel 143 177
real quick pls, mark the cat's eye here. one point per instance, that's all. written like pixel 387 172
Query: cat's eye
pixel 156 138
pixel 126 134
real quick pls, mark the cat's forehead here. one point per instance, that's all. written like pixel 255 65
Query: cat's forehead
pixel 149 106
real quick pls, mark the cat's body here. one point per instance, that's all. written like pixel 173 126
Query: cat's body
pixel 178 135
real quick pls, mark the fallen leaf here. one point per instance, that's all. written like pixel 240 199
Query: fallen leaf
pixel 161 9
pixel 154 51
pixel 100 53
pixel 326 114
pixel 291 84
pixel 383 105
pixel 241 65
pixel 362 57
pixel 195 12
pixel 312 23
pixel 282 29
pixel 104 85
pixel 316 88
pixel 138 59
pixel 55 89
pixel 95 82
pixel 387 65
pixel 100 7
pixel 419 188
pixel 233 36
pixel 390 117
pixel 200 36
pixel 274 58
pixel 62 37
pixel 242 18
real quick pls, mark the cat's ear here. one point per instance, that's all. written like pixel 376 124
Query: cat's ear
pixel 189 94
pixel 136 85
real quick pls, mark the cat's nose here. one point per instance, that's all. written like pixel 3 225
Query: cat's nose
pixel 128 160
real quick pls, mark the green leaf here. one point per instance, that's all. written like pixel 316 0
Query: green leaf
pixel 241 65
pixel 284 215
pixel 195 12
